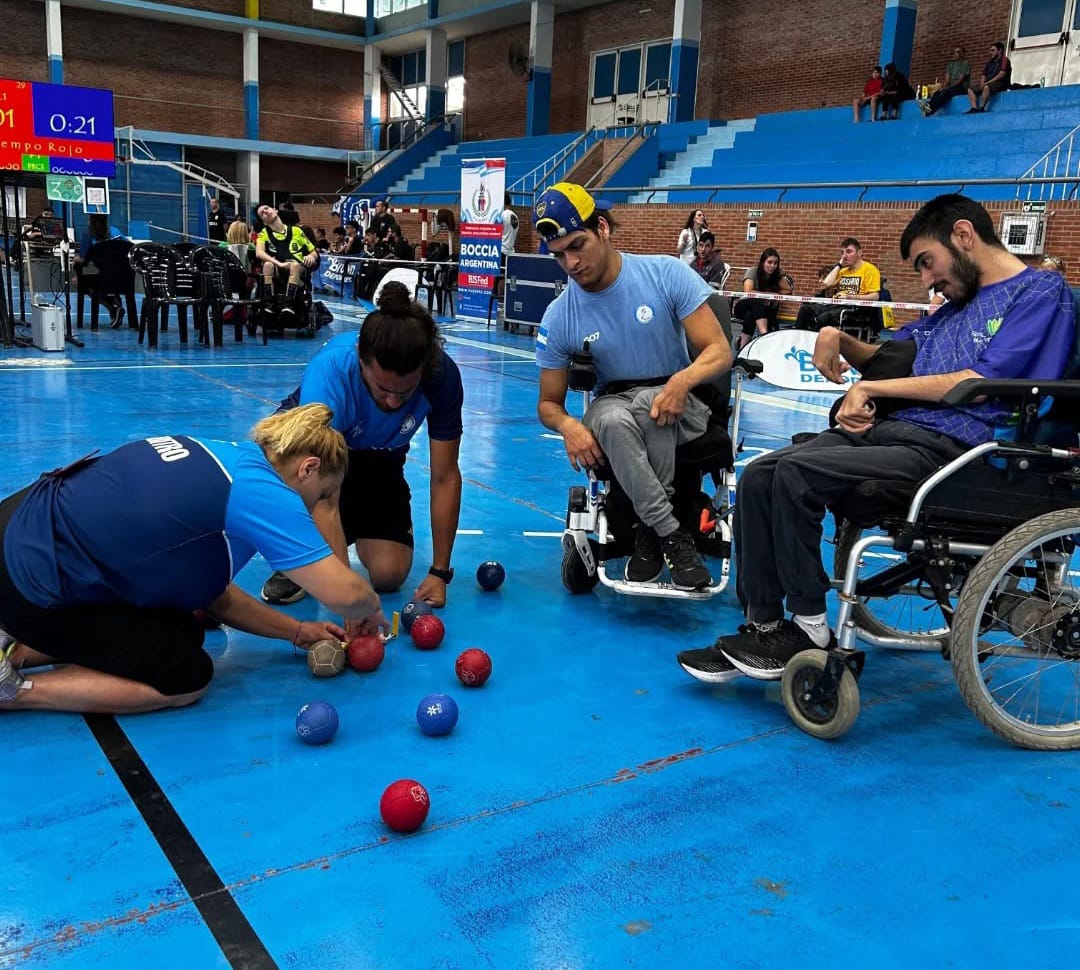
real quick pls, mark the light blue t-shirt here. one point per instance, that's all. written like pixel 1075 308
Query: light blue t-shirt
pixel 633 327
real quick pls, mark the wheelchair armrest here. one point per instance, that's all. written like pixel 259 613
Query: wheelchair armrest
pixel 751 368
pixel 1015 388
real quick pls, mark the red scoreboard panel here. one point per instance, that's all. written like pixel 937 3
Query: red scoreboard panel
pixel 56 129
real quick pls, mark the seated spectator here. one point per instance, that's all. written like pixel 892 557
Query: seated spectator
pixel 97 230
pixel 995 77
pixel 338 243
pixel 870 93
pixel 239 233
pixel 1052 264
pixel 894 89
pixel 710 265
pixel 321 242
pixel 957 78
pixel 1003 320
pixel 368 277
pixel 852 278
pixel 400 247
pixel 283 249
pixel 759 316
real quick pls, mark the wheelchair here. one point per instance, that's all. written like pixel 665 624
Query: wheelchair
pixel 987 549
pixel 600 521
pixel 271 315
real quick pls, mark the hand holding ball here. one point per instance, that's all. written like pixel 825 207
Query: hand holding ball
pixel 366 652
pixel 326 658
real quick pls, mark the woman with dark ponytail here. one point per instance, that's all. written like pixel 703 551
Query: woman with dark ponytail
pixel 759 316
pixel 382 386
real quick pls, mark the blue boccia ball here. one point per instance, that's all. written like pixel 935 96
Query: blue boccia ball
pixel 411 610
pixel 490 575
pixel 437 714
pixel 317 722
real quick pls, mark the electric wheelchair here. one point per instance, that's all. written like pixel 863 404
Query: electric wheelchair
pixel 979 563
pixel 600 520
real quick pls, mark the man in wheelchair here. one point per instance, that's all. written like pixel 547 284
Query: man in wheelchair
pixel 636 314
pixel 285 251
pixel 1003 320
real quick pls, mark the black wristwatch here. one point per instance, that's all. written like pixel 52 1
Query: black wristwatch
pixel 446 575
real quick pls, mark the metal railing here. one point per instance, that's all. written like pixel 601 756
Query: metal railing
pixel 784 187
pixel 553 168
pixel 381 160
pixel 642 130
pixel 1050 165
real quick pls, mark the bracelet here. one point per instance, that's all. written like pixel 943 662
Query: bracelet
pixel 296 635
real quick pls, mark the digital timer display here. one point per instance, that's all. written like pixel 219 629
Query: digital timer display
pixel 56 129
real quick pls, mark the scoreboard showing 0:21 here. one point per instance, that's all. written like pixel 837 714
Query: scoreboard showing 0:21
pixel 57 129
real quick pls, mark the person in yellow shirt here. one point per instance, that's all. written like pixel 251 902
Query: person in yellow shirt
pixel 852 278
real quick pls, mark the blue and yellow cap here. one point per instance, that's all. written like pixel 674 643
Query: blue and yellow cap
pixel 562 209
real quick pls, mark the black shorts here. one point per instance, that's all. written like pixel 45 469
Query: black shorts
pixel 161 647
pixel 375 498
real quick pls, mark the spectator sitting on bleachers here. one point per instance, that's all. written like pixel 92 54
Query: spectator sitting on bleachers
pixel 894 89
pixel 710 265
pixel 759 316
pixel 870 93
pixel 957 78
pixel 995 77
pixel 852 278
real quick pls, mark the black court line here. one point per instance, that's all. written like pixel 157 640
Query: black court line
pixel 234 934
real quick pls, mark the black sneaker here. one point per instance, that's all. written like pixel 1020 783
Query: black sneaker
pixel 763 654
pixel 279 590
pixel 288 310
pixel 682 558
pixel 117 317
pixel 708 664
pixel 646 564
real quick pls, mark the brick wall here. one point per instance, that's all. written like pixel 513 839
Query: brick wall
pixel 495 100
pixel 941 25
pixel 24 41
pixel 302 100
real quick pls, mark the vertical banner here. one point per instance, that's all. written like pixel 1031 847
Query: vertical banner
pixel 483 184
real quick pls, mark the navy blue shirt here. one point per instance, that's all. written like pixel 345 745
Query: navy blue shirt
pixel 333 378
pixel 163 522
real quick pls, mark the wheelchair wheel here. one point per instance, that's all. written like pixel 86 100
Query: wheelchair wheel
pixel 825 719
pixel 575 574
pixel 1016 635
pixel 907 616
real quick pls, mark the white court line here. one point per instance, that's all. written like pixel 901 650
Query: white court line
pixel 494 348
pixel 542 535
pixel 470 532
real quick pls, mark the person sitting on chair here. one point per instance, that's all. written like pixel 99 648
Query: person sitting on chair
pixel 852 278
pixel 98 230
pixel 107 589
pixel 759 316
pixel 282 248
pixel 1002 320
pixel 637 315
pixel 382 387
pixel 710 265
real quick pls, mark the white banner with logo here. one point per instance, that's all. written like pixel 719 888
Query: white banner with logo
pixel 483 185
pixel 787 357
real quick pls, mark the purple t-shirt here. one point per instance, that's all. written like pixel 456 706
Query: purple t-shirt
pixel 1022 327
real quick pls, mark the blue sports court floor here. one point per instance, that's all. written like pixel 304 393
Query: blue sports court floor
pixel 594 808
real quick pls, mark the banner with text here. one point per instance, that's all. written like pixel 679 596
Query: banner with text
pixel 483 184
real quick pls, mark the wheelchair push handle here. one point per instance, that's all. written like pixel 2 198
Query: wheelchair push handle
pixel 582 372
pixel 749 367
pixel 1016 389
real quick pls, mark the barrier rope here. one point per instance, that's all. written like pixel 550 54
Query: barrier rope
pixel 826 300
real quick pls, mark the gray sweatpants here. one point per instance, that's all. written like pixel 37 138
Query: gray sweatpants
pixel 641 452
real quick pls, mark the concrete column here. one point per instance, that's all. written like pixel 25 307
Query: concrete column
pixel 251 83
pixel 372 97
pixel 685 42
pixel 898 34
pixel 541 39
pixel 247 169
pixel 54 43
pixel 436 74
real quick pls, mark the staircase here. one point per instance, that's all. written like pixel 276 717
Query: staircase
pixel 699 152
pixel 392 83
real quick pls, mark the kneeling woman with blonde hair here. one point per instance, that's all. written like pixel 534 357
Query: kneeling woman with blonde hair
pixel 103 563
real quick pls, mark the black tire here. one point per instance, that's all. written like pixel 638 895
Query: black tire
pixel 825 720
pixel 975 667
pixel 575 575
pixel 925 622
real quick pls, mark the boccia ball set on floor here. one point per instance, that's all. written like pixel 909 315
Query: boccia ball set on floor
pixel 437 714
pixel 326 658
pixel 473 667
pixel 411 610
pixel 366 653
pixel 490 575
pixel 405 803
pixel 317 722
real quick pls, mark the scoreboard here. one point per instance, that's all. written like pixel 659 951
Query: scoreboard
pixel 57 129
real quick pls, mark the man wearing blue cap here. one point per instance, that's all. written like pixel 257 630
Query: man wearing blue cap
pixel 638 315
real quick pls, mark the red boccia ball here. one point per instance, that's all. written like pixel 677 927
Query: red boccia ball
pixel 404 805
pixel 427 632
pixel 366 652
pixel 473 667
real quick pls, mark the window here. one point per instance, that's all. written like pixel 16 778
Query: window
pixel 354 8
pixel 657 67
pixel 455 94
pixel 455 58
pixel 383 8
